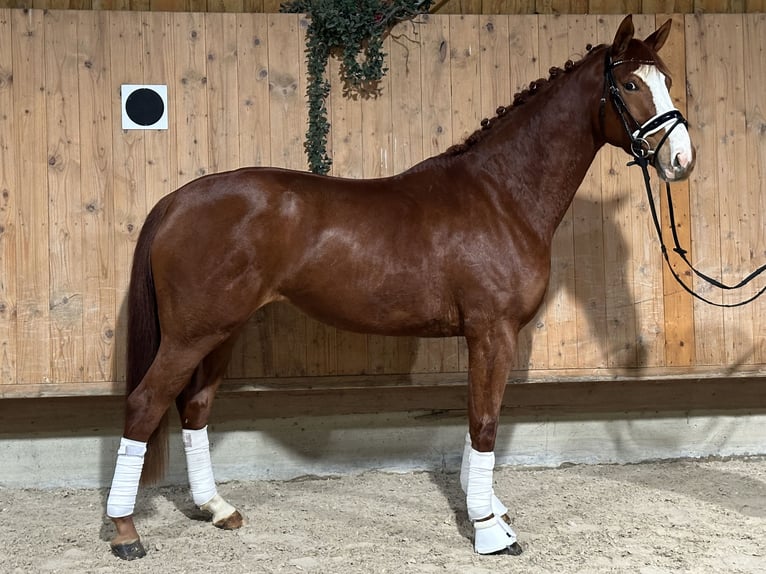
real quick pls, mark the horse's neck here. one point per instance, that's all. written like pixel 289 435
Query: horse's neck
pixel 542 156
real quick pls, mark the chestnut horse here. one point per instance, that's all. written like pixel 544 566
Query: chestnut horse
pixel 459 244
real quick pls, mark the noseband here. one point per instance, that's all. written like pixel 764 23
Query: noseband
pixel 643 154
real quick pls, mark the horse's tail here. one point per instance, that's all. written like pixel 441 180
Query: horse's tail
pixel 144 336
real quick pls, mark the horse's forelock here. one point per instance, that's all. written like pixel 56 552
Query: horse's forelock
pixel 641 52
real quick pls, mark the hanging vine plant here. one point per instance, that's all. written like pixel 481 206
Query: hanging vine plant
pixel 354 31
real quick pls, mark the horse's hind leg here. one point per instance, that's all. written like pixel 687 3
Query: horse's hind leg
pixel 169 373
pixel 194 405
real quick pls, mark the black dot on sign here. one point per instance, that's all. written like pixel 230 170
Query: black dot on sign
pixel 144 107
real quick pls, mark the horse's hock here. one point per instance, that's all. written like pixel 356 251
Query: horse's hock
pixel 615 332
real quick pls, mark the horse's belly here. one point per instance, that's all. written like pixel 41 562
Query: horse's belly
pixel 381 313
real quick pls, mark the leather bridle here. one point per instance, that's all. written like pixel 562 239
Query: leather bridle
pixel 643 154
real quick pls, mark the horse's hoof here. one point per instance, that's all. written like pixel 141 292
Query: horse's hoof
pixel 513 550
pixel 231 522
pixel 129 551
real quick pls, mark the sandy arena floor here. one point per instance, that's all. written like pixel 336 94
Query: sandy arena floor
pixel 702 517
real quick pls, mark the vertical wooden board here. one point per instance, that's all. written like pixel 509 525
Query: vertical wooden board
pixel 465 54
pixel 755 134
pixel 287 120
pixel 286 99
pixel 618 251
pixel 253 72
pixel 678 305
pixel 524 37
pixel 450 7
pixel 224 6
pixel 32 280
pixel 222 91
pixel 96 126
pixel 717 6
pixel 561 6
pixel 129 167
pixel 614 6
pixel 646 256
pixel 738 203
pixel 66 279
pixel 494 64
pixel 667 6
pixel 347 161
pixel 8 205
pixel 588 234
pixel 271 6
pixel 377 126
pixel 345 115
pixel 703 67
pixel 407 139
pixel 561 320
pixel 590 286
pixel 406 94
pixel 252 354
pixel 158 68
pixel 435 81
pixel 191 125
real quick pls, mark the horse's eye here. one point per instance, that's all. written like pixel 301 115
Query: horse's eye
pixel 631 86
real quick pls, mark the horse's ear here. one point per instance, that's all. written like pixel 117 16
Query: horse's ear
pixel 657 39
pixel 623 36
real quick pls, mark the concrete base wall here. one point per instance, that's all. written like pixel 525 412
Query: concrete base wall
pixel 43 456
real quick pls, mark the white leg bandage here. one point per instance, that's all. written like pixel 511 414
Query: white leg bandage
pixel 498 508
pixel 496 533
pixel 127 475
pixel 199 466
pixel 479 485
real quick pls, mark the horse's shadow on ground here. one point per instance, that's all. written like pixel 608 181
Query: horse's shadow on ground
pixel 729 490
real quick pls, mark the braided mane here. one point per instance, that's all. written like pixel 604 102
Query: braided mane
pixel 504 112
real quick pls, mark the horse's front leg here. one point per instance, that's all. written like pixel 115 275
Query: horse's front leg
pixel 490 355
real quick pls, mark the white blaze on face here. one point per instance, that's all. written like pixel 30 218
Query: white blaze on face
pixel 681 152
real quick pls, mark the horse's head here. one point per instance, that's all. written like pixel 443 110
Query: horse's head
pixel 637 112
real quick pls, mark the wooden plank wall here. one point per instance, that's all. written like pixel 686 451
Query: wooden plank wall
pixel 75 189
pixel 439 6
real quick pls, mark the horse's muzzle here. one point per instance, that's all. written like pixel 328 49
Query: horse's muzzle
pixel 674 166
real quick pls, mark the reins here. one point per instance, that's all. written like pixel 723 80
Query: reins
pixel 642 154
